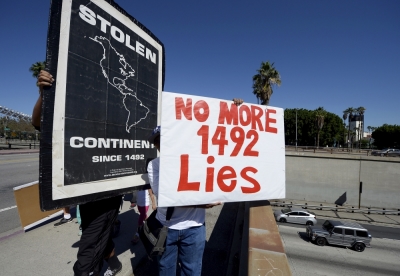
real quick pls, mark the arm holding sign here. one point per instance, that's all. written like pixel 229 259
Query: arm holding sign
pixel 237 101
pixel 44 79
pixel 153 200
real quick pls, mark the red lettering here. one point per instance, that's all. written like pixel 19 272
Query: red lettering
pixel 180 107
pixel 219 139
pixel 269 120
pixel 256 186
pixel 246 110
pixel 256 114
pixel 239 140
pixel 201 105
pixel 228 115
pixel 184 184
pixel 226 173
pixel 203 132
pixel 249 149
pixel 210 175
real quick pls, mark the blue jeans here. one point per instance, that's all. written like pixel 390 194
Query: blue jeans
pixel 186 247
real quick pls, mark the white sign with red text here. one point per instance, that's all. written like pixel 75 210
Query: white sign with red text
pixel 215 151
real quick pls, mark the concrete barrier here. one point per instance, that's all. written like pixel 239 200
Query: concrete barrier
pixel 265 251
pixel 335 179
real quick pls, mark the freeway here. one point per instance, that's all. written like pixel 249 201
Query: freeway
pixel 15 170
pixel 306 258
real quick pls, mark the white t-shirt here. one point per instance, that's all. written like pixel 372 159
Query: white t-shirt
pixel 182 217
pixel 143 198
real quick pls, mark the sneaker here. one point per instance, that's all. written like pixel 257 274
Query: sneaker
pixel 112 272
pixel 62 221
pixel 133 205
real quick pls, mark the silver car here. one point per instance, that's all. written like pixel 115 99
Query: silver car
pixel 345 233
pixel 295 216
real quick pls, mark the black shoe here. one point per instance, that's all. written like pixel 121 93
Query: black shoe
pixel 62 221
pixel 112 272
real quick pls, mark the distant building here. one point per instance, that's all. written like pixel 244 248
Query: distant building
pixel 357 125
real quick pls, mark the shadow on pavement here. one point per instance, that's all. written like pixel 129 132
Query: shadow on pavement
pixel 303 236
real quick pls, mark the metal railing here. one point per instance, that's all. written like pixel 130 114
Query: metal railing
pixel 336 208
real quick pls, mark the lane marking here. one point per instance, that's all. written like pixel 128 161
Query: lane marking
pixel 8 208
pixel 26 160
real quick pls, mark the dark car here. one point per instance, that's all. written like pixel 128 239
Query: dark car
pixel 384 152
pixel 394 153
pixel 344 233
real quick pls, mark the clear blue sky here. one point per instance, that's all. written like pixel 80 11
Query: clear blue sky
pixel 334 54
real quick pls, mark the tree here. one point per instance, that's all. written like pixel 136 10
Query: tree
pixel 387 136
pixel 319 119
pixel 360 111
pixel 331 133
pixel 36 67
pixel 264 81
pixel 348 113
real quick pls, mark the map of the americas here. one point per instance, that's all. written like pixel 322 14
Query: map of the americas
pixel 118 78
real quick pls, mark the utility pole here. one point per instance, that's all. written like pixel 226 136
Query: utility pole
pixel 296 129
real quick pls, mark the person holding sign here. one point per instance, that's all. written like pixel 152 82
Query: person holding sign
pixel 98 217
pixel 186 230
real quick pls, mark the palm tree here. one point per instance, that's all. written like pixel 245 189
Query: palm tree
pixel 320 114
pixel 263 82
pixel 348 113
pixel 360 111
pixel 36 67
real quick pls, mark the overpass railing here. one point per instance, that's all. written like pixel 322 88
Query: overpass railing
pixel 350 209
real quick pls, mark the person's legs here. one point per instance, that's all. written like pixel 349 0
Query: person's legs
pixel 168 260
pixel 78 218
pixel 114 265
pixel 142 216
pixel 98 219
pixel 133 200
pixel 191 248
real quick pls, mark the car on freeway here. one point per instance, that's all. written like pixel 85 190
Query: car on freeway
pixel 394 153
pixel 383 152
pixel 344 233
pixel 295 216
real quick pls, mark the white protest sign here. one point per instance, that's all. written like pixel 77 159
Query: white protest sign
pixel 213 150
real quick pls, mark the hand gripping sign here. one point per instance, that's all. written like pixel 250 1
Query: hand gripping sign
pixel 213 150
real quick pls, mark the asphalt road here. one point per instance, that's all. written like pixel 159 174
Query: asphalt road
pixel 15 170
pixel 306 258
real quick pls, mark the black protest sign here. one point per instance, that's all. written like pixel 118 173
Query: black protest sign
pixel 109 72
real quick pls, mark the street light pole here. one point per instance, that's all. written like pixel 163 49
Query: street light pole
pixel 296 129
